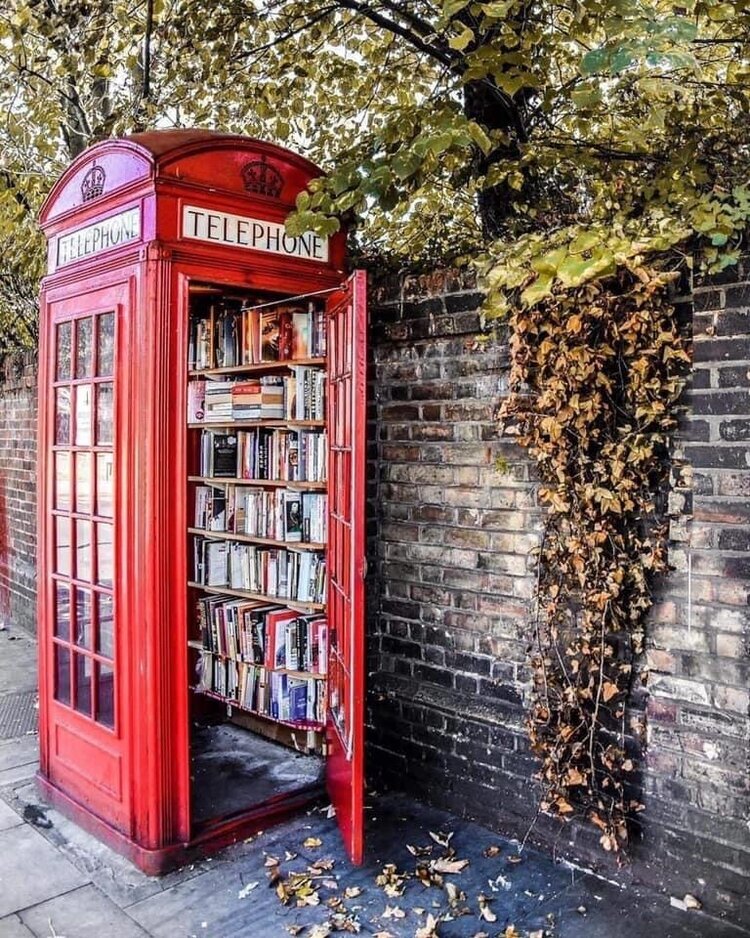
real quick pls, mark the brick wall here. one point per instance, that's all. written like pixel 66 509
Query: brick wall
pixel 18 489
pixel 452 578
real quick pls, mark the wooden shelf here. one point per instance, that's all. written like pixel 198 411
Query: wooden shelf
pixel 251 539
pixel 302 725
pixel 198 646
pixel 294 604
pixel 302 486
pixel 257 368
pixel 251 424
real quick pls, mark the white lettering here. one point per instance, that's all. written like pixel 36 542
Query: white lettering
pixel 239 231
pixel 101 236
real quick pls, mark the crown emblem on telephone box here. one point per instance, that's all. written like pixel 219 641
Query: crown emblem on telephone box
pixel 259 177
pixel 93 183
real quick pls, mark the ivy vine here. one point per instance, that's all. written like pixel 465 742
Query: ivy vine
pixel 595 372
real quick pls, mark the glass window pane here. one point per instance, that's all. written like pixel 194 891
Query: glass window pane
pixel 62 611
pixel 105 555
pixel 105 356
pixel 62 481
pixel 105 644
pixel 62 416
pixel 83 550
pixel 62 545
pixel 83 618
pixel 83 668
pixel 104 484
pixel 83 415
pixel 84 488
pixel 84 348
pixel 62 674
pixel 105 695
pixel 62 370
pixel 104 414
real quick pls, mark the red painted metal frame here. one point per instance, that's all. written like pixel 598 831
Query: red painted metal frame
pixel 347 416
pixel 147 815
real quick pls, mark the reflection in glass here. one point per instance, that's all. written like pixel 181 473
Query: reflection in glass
pixel 62 369
pixel 83 550
pixel 62 674
pixel 62 611
pixel 84 348
pixel 83 618
pixel 105 695
pixel 104 413
pixel 83 483
pixel 62 416
pixel 62 545
pixel 105 554
pixel 83 668
pixel 62 481
pixel 104 484
pixel 106 345
pixel 105 643
pixel 83 415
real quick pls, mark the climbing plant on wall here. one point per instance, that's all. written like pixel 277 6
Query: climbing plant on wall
pixel 595 374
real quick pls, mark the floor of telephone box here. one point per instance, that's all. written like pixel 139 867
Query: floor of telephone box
pixel 233 769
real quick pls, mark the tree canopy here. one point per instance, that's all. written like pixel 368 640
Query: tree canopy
pixel 555 140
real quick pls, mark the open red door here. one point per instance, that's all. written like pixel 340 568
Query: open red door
pixel 345 723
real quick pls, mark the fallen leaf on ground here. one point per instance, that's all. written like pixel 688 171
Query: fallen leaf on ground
pixel 295 929
pixel 246 890
pixel 510 932
pixel 323 865
pixel 689 902
pixel 271 861
pixel 454 894
pixel 441 837
pixel 444 865
pixel 343 921
pixel 539 933
pixel 391 881
pixel 485 911
pixel 322 930
pixel 289 856
pixel 313 842
pixel 581 910
pixel 383 934
pixel 491 851
pixel 515 859
pixel 393 911
pixel 419 851
pixel 429 929
pixel 351 892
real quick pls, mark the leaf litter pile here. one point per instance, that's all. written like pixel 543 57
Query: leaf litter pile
pixel 436 866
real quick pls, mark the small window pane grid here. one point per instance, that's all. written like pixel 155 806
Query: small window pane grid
pixel 82 514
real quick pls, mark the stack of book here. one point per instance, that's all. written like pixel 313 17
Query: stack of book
pixel 280 515
pixel 218 401
pixel 270 571
pixel 227 335
pixel 268 635
pixel 304 394
pixel 284 455
pixel 280 696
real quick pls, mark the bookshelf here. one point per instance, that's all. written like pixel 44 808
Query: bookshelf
pixel 257 512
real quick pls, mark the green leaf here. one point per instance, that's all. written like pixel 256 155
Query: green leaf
pixel 462 40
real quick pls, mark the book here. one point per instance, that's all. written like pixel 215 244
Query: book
pixel 196 401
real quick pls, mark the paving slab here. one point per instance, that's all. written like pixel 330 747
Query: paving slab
pixel 12 927
pixel 18 655
pixel 8 818
pixel 119 879
pixel 83 913
pixel 17 752
pixel 32 870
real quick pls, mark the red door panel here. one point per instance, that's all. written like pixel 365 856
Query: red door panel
pixel 347 374
pixel 81 655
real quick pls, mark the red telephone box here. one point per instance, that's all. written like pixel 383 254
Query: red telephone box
pixel 201 499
